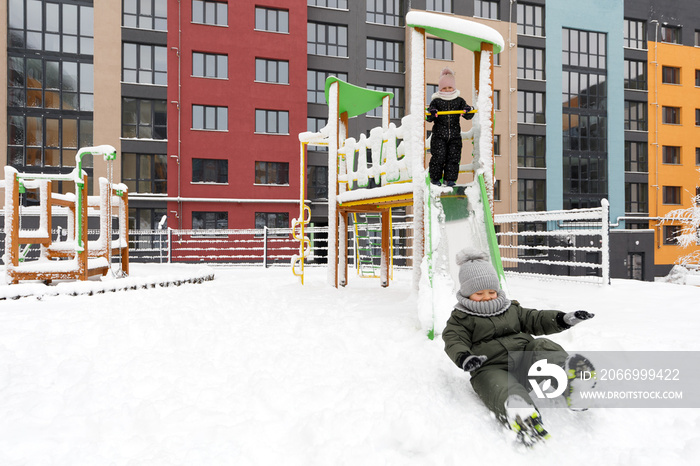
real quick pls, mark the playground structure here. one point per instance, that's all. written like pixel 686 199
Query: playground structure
pixel 445 219
pixel 76 258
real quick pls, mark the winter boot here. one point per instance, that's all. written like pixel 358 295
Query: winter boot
pixel 525 420
pixel 581 378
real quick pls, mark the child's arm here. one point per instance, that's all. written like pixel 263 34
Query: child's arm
pixel 432 110
pixel 458 341
pixel 546 322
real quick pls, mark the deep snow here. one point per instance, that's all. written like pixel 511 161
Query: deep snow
pixel 254 369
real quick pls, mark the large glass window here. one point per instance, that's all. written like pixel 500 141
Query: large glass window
pixel 210 220
pixel 438 49
pixel 636 156
pixel 209 117
pixel 635 75
pixel 486 9
pixel 530 19
pixel 210 12
pixel 52 27
pixel 339 4
pixel 317 182
pixel 327 39
pixel 271 121
pixel 146 14
pixel 272 173
pixel 635 34
pixel 384 55
pixel 531 151
pixel 271 220
pixel 636 197
pixel 316 85
pixel 671 34
pixel 444 6
pixel 144 64
pixel 272 71
pixel 530 63
pixel 209 171
pixel 144 119
pixel 145 173
pixel 531 107
pixel 209 65
pixel 389 12
pixel 532 195
pixel 271 20
pixel 635 115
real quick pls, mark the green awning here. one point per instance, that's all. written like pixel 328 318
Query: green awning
pixel 465 33
pixel 356 100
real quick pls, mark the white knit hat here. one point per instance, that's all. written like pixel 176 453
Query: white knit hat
pixel 476 272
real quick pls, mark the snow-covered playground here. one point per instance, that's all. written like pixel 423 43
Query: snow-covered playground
pixel 251 368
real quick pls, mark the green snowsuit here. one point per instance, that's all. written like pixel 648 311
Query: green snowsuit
pixel 506 340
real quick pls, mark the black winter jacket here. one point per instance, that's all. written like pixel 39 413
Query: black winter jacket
pixel 447 126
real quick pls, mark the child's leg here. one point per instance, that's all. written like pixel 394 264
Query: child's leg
pixel 454 156
pixel 438 151
pixel 494 386
pixel 540 348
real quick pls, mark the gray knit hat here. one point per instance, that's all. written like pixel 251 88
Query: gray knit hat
pixel 476 272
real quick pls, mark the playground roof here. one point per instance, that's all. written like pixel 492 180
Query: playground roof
pixel 465 33
pixel 355 100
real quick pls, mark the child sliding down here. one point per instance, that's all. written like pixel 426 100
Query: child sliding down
pixel 490 336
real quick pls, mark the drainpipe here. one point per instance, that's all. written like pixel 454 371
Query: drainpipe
pixel 511 206
pixel 656 124
pixel 178 51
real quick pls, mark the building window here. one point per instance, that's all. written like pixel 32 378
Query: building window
pixel 384 55
pixel 584 49
pixel 146 14
pixel 635 116
pixel 531 195
pixel 697 78
pixel 635 34
pixel 671 233
pixel 697 156
pixel 389 12
pixel 272 71
pixel 316 85
pixel 271 121
pixel 327 39
pixel 438 49
pixel 209 118
pixel 317 182
pixel 586 133
pixel 635 75
pixel 210 65
pixel 337 4
pixel 210 12
pixel 496 144
pixel 532 241
pixel 671 34
pixel 670 75
pixel 697 117
pixel 145 173
pixel 210 220
pixel 530 63
pixel 636 156
pixel 430 90
pixel 272 173
pixel 530 19
pixel 671 115
pixel 585 181
pixel 395 104
pixel 497 190
pixel 636 197
pixel 444 6
pixel 697 38
pixel 144 119
pixel 145 64
pixel 271 20
pixel 271 220
pixel 531 107
pixel 496 99
pixel 210 171
pixel 671 155
pixel 50 84
pixel 145 219
pixel 672 195
pixel 531 151
pixel 485 9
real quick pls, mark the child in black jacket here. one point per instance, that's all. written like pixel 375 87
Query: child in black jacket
pixel 446 139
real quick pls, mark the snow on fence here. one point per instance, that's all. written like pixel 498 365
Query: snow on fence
pixel 572 244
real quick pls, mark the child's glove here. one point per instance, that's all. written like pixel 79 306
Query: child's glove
pixel 472 363
pixel 466 115
pixel 575 317
pixel 433 114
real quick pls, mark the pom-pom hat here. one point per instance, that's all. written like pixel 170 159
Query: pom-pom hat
pixel 447 78
pixel 475 272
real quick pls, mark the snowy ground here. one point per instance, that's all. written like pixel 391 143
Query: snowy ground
pixel 254 369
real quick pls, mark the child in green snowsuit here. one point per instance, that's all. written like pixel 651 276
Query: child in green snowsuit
pixel 490 336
